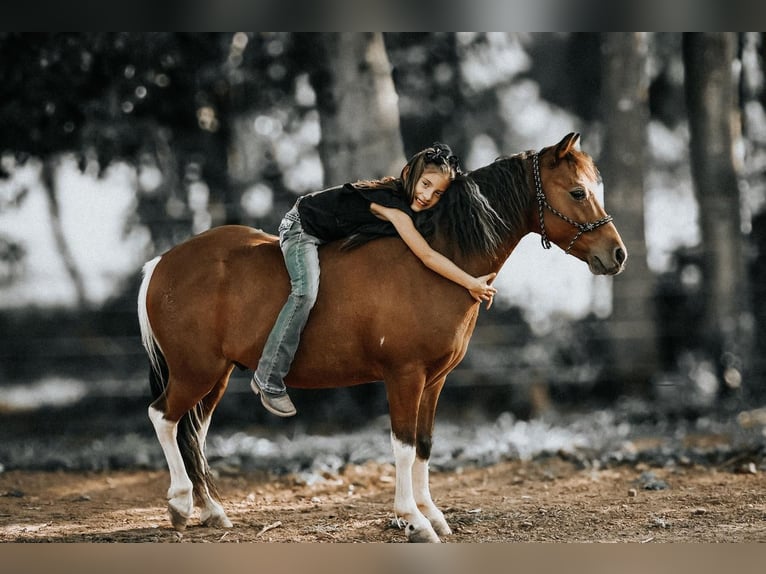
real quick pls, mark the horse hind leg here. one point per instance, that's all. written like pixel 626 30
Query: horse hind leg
pixel 180 500
pixel 212 513
pixel 181 420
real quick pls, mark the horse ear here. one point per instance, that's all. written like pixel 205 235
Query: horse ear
pixel 567 144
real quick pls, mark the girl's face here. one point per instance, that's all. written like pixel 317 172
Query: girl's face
pixel 429 189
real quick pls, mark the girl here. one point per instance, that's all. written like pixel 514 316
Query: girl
pixel 367 208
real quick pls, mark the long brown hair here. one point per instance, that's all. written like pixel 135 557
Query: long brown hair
pixel 437 156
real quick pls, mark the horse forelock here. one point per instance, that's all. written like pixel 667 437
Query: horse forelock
pixel 583 166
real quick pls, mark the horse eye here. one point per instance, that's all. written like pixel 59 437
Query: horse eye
pixel 578 194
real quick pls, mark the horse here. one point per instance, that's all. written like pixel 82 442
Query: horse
pixel 207 305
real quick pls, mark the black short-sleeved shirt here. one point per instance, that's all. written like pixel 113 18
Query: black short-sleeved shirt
pixel 339 212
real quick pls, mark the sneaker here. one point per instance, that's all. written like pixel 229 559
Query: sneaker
pixel 276 403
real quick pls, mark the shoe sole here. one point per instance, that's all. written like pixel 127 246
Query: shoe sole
pixel 266 405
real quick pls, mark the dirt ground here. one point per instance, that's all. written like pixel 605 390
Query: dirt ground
pixel 545 500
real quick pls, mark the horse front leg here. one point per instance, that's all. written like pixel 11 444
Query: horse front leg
pixel 425 425
pixel 404 397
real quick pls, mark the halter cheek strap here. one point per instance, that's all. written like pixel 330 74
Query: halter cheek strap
pixel 542 203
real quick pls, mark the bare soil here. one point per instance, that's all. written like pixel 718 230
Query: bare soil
pixel 544 500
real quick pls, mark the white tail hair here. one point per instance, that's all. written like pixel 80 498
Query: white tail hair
pixel 147 335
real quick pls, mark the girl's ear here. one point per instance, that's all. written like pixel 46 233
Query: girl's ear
pixel 405 172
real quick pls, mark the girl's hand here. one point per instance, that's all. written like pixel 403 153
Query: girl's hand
pixel 482 290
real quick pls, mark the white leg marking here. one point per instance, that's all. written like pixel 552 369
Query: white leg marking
pixel 404 457
pixel 423 499
pixel 180 499
pixel 418 527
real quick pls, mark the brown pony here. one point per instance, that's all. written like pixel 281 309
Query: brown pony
pixel 207 305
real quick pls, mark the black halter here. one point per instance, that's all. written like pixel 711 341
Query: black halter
pixel 542 202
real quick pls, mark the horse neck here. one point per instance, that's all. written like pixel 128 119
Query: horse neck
pixel 509 187
pixel 482 224
pixel 478 264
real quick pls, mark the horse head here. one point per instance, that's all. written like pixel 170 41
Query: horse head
pixel 567 188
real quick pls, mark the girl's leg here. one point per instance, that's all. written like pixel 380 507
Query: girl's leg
pixel 301 254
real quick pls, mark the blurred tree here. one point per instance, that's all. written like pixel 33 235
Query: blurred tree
pixel 711 100
pixel 357 104
pixel 666 91
pixel 571 60
pixel 104 97
pixel 48 179
pixel 625 114
pixel 433 105
pixel 753 105
pixel 162 102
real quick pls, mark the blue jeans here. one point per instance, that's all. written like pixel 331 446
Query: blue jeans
pixel 300 250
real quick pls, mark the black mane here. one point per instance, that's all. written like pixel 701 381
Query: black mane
pixel 484 207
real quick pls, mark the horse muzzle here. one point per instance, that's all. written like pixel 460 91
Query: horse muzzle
pixel 611 264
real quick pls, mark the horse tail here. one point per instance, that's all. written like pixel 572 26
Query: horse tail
pixel 158 370
pixel 156 360
pixel 190 425
pixel 191 447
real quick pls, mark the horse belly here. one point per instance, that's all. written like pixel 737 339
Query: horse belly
pixel 332 354
pixel 352 339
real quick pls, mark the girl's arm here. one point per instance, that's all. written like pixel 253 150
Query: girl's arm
pixel 479 287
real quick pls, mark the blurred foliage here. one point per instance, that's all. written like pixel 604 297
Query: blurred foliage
pixel 153 100
pixel 426 72
pixel 571 60
pixel 11 255
pixel 103 96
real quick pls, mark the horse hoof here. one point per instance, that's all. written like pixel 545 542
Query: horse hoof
pixel 424 534
pixel 438 522
pixel 442 528
pixel 177 518
pixel 217 521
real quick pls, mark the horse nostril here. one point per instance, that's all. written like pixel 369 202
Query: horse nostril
pixel 619 255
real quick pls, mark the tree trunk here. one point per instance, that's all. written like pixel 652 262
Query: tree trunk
pixel 625 104
pixel 357 103
pixel 437 109
pixel 48 177
pixel 711 105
